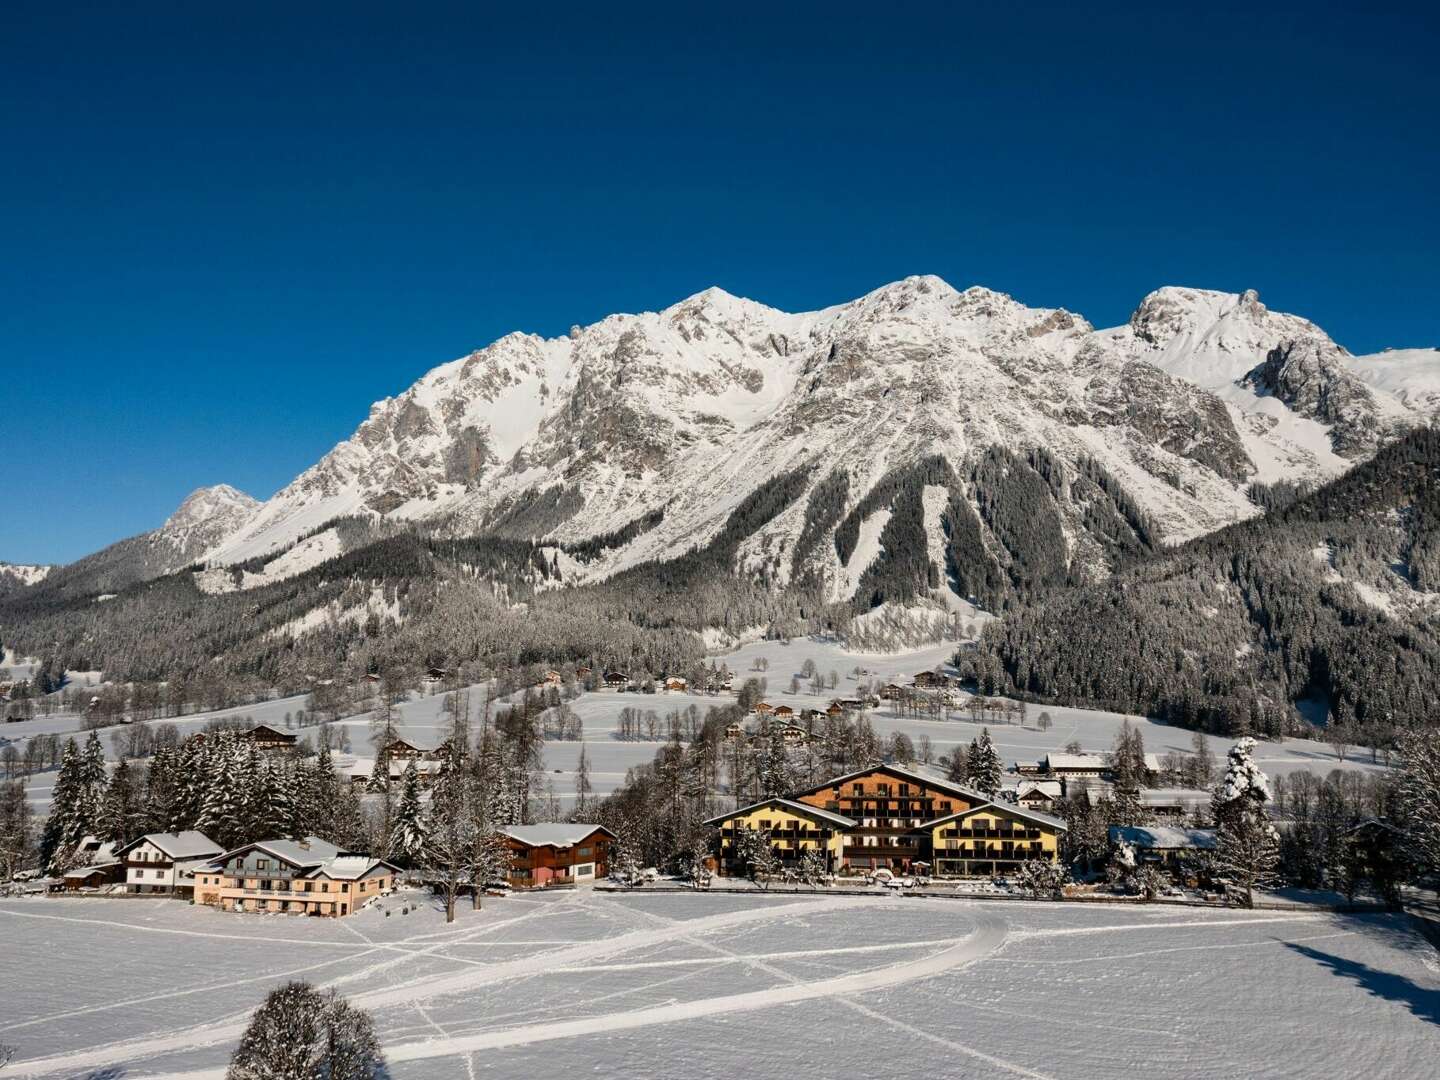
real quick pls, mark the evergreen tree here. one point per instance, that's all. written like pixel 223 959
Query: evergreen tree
pixel 407 825
pixel 983 768
pixel 70 817
pixel 582 783
pixel 1247 845
pixel 122 818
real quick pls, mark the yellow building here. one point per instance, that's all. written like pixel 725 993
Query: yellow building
pixel 792 828
pixel 992 838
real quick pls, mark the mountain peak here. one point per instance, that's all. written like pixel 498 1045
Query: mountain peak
pixel 205 503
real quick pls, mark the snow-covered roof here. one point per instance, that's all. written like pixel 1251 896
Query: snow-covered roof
pixel 803 809
pixel 1075 761
pixel 348 867
pixel 189 844
pixel 308 852
pixel 553 833
pixel 1044 787
pixel 1163 837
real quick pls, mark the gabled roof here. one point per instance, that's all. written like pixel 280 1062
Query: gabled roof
pixel 349 867
pixel 1014 809
pixel 803 809
pixel 189 844
pixel 554 833
pixel 308 852
pixel 266 729
pixel 902 773
pixel 1075 761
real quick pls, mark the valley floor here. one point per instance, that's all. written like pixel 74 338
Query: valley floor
pixel 687 986
pixel 423 718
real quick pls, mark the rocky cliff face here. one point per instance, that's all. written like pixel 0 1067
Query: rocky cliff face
pixel 691 408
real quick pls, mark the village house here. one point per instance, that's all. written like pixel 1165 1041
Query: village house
pixel 616 680
pixel 1043 795
pixel 558 854
pixel 96 864
pixel 405 750
pixel 166 862
pixel 763 708
pixel 359 770
pixel 1066 767
pixel 552 678
pixel 1168 845
pixel 264 737
pixel 297 877
pixel 793 827
pixel 673 683
pixel 783 712
pixel 932 680
pixel 993 838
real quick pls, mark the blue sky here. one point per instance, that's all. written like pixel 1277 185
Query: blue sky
pixel 227 232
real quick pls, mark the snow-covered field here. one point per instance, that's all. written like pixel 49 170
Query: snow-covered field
pixel 678 986
pixel 423 718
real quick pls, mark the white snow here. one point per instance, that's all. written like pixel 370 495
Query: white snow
pixel 694 987
pixel 1410 376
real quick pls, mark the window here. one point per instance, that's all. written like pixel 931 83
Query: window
pixel 262 864
pixel 582 853
pixel 325 886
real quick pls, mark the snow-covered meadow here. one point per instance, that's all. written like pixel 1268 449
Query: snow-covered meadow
pixel 423 718
pixel 679 985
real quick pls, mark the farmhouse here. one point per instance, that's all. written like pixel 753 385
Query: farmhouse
pixel 166 862
pixel 404 750
pixel 265 737
pixel 558 854
pixel 673 683
pixel 297 877
pixel 616 680
pixel 1038 794
pixel 793 827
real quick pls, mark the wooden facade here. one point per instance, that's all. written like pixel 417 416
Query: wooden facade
pixel 557 854
pixel 890 807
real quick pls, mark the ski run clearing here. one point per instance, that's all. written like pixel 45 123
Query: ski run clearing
pixel 683 985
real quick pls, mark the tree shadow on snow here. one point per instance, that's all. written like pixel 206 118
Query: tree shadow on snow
pixel 110 1072
pixel 1422 1001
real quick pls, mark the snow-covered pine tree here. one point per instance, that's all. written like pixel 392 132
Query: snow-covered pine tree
pixel 1247 846
pixel 67 822
pixel 121 816
pixel 300 1032
pixel 407 824
pixel 812 870
pixel 94 779
pixel 984 766
pixel 221 815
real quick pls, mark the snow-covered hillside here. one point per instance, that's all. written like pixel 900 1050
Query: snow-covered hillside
pixel 18 576
pixel 691 407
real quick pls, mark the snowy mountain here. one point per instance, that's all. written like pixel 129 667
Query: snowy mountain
pixel 684 412
pixel 202 520
pixel 206 517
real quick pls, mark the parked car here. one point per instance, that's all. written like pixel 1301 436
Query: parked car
pixel 900 883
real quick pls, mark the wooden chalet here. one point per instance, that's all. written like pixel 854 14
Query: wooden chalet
pixel 616 679
pixel 890 806
pixel 674 683
pixel 264 737
pixel 558 854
